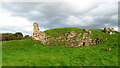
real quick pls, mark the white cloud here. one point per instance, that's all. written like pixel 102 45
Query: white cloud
pixel 81 5
pixel 35 13
pixel 88 19
pixel 79 21
pixel 72 20
pixel 114 17
pixel 11 23
pixel 81 13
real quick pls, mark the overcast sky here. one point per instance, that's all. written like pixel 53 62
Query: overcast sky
pixel 91 14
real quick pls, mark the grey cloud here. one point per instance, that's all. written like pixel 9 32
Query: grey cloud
pixel 53 15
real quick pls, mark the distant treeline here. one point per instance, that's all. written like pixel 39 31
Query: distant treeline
pixel 11 36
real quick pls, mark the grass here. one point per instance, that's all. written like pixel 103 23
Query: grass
pixel 60 31
pixel 0 54
pixel 24 53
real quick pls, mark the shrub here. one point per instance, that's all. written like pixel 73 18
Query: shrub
pixel 7 36
pixel 26 37
pixel 18 34
pixel 11 36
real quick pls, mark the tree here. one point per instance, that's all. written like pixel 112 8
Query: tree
pixel 11 36
pixel 7 36
pixel 17 34
pixel 26 36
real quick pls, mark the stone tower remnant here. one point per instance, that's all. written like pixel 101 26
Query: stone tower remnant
pixel 36 28
pixel 37 34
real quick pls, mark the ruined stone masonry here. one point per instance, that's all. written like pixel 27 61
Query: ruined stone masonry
pixel 73 39
pixel 109 30
pixel 37 34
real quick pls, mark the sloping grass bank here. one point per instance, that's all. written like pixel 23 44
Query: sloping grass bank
pixel 25 53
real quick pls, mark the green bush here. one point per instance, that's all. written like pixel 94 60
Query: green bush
pixel 18 34
pixel 7 36
pixel 11 36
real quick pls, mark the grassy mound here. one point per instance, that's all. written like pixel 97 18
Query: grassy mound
pixel 25 53
pixel 59 31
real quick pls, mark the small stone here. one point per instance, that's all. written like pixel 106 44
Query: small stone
pixel 35 45
pixel 108 49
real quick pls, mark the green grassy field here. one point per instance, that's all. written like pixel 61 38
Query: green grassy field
pixel 24 53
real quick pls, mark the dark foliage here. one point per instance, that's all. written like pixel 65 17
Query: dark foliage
pixel 11 36
pixel 7 36
pixel 17 34
pixel 26 37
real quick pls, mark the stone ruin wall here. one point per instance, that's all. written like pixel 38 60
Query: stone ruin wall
pixel 72 38
pixel 109 30
pixel 37 34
